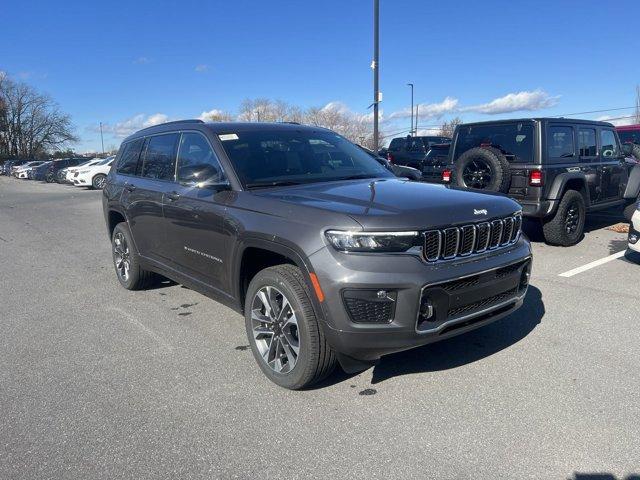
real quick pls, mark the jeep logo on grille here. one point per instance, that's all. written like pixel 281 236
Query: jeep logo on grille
pixel 480 212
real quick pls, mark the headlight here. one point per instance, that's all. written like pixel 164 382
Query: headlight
pixel 372 241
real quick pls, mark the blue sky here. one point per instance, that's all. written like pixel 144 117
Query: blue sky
pixel 131 63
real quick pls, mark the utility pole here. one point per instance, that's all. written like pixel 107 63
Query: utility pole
pixel 101 138
pixel 376 67
pixel 411 85
pixel 417 106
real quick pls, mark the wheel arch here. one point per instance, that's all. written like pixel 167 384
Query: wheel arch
pixel 254 254
pixel 569 181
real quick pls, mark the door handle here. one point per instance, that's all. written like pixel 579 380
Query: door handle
pixel 129 188
pixel 173 196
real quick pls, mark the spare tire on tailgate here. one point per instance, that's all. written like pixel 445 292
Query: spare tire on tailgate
pixel 635 151
pixel 483 168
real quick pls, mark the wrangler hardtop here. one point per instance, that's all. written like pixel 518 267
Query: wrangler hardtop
pixel 558 169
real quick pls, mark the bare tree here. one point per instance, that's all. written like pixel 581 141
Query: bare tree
pixel 31 123
pixel 449 126
pixel 217 116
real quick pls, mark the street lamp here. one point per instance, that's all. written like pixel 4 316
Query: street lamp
pixel 411 85
pixel 375 66
pixel 101 138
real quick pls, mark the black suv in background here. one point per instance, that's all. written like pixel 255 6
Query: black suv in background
pixel 558 169
pixel 330 257
pixel 53 170
pixel 426 154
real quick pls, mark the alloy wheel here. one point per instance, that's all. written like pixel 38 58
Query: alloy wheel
pixel 100 182
pixel 275 329
pixel 477 174
pixel 121 256
pixel 573 218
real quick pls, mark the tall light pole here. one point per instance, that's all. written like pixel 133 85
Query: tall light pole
pixel 411 85
pixel 101 138
pixel 376 67
pixel 417 106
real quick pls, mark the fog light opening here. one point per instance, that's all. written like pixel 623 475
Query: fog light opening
pixel 633 238
pixel 426 310
pixel 524 278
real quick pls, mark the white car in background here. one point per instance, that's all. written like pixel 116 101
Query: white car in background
pixel 71 170
pixel 94 176
pixel 634 230
pixel 23 170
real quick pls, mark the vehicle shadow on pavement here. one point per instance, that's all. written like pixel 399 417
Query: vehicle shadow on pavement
pixel 467 348
pixel 603 476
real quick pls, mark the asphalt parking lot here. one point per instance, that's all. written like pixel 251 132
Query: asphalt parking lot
pixel 99 382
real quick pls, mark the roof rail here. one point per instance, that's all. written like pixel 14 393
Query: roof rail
pixel 193 120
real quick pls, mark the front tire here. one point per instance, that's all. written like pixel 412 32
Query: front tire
pixel 126 260
pixel 565 228
pixel 283 331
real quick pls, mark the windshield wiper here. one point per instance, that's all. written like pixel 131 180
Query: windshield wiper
pixel 275 183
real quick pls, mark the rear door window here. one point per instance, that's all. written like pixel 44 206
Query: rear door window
pixel 587 145
pixel 128 162
pixel 160 157
pixel 560 142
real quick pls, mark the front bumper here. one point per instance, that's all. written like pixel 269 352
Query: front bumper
pixel 457 308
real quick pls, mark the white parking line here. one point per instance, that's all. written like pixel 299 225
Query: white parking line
pixel 591 265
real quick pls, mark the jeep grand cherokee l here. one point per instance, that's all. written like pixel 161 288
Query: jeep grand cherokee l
pixel 329 256
pixel 558 169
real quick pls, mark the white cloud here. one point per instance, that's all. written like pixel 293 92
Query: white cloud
pixel 429 110
pixel 343 109
pixel 201 68
pixel 617 121
pixel 133 124
pixel 142 60
pixel 515 102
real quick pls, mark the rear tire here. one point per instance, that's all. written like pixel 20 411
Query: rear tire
pixel 566 227
pixel 98 181
pixel 127 261
pixel 284 323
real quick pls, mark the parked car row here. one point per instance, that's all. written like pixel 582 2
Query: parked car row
pixel 74 171
pixel 558 169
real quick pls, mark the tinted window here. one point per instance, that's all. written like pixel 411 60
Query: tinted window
pixel 267 157
pixel 160 157
pixel 587 142
pixel 629 136
pixel 560 142
pixel 515 140
pixel 128 162
pixel 397 144
pixel 417 144
pixel 196 160
pixel 608 144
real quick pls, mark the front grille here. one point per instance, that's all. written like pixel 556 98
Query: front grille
pixel 453 242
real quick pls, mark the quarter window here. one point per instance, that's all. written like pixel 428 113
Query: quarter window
pixel 560 142
pixel 159 160
pixel 608 144
pixel 128 162
pixel 587 142
pixel 196 160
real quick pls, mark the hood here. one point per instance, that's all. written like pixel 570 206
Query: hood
pixel 396 204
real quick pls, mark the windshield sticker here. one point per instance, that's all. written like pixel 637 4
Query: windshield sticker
pixel 227 136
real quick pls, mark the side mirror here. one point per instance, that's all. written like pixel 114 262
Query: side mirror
pixel 627 148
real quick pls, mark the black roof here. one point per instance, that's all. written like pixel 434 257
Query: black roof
pixel 221 127
pixel 540 119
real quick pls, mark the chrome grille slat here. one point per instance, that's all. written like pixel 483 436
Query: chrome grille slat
pixel 452 242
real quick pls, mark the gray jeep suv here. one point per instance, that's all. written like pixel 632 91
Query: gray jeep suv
pixel 329 256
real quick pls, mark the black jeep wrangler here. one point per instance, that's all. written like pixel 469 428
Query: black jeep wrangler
pixel 557 169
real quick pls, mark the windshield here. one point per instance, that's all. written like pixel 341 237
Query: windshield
pixel 515 140
pixel 629 136
pixel 264 158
